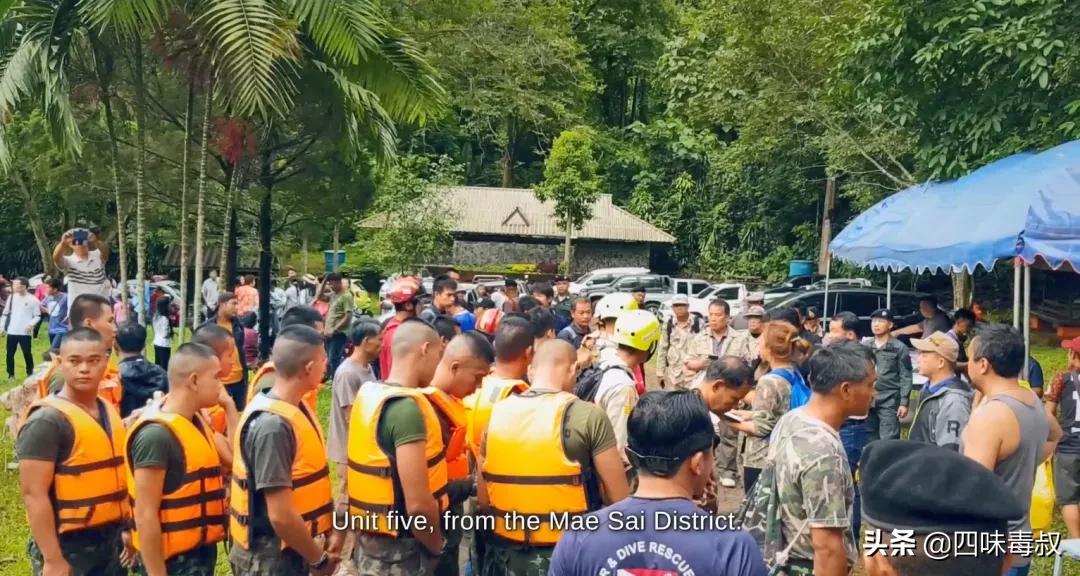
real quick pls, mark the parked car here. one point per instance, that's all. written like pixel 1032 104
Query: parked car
pixel 860 301
pixel 689 286
pixel 169 287
pixel 811 283
pixel 658 288
pixel 483 278
pixel 733 293
pixel 602 277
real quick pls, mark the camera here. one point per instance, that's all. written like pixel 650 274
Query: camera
pixel 80 236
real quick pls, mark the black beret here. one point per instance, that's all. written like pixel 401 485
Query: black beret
pixel 882 313
pixel 909 485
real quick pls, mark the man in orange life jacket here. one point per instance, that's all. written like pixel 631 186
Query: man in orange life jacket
pixel 466 361
pixel 545 433
pixel 280 499
pixel 70 449
pixel 223 417
pixel 94 312
pixel 174 472
pixel 397 468
pixel 263 379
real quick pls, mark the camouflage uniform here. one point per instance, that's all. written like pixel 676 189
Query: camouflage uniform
pixel 813 483
pixel 94 552
pixel 198 562
pixel 266 558
pixel 383 556
pixel 772 396
pixel 448 563
pixel 674 350
pixel 502 559
pixel 734 343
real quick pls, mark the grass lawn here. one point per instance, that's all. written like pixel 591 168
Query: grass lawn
pixel 13 560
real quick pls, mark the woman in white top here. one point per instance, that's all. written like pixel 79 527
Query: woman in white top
pixel 162 333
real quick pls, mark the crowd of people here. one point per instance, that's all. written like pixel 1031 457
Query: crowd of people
pixel 518 437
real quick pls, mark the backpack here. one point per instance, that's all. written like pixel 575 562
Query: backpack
pixel 800 391
pixel 588 382
pixel 695 325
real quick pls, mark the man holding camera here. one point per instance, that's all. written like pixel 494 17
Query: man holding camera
pixel 85 265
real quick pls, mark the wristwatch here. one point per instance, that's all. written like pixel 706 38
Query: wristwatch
pixel 323 561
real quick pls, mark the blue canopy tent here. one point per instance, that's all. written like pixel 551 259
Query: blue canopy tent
pixel 1025 205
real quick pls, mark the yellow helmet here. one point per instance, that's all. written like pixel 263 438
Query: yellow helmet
pixel 638 329
pixel 613 305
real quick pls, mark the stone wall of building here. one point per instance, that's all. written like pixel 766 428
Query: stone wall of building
pixel 587 255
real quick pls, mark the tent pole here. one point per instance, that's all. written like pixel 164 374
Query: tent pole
pixel 1016 295
pixel 888 289
pixel 828 272
pixel 1027 321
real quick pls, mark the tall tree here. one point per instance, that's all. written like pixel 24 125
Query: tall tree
pixel 571 182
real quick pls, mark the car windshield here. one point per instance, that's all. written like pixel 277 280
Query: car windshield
pixel 706 292
pixel 585 278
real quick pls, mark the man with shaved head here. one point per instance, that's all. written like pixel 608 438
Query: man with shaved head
pixel 545 432
pixel 465 362
pixel 281 496
pixel 175 470
pixel 223 416
pixel 397 459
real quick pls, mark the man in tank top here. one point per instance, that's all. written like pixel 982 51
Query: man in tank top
pixel 1009 432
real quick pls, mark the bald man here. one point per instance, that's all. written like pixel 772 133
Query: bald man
pixel 394 433
pixel 162 445
pixel 465 362
pixel 523 440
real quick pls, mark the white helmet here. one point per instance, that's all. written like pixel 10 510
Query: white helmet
pixel 613 305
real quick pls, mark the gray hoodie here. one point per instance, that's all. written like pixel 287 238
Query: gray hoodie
pixel 941 417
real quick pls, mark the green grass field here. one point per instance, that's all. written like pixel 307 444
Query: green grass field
pixel 13 559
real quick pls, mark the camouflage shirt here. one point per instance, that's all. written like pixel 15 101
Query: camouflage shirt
pixel 675 349
pixel 813 482
pixel 772 396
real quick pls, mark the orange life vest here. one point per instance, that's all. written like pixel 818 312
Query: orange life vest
pixel 110 389
pixel 194 514
pixel 311 399
pixel 373 482
pixel 454 415
pixel 311 492
pixel 479 405
pixel 89 488
pixel 525 467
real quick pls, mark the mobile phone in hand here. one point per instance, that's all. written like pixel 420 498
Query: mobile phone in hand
pixel 80 237
pixel 733 417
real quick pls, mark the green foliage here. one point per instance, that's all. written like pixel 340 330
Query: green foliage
pixel 570 181
pixel 414 219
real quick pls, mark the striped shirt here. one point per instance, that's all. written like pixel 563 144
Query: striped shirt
pixel 85 276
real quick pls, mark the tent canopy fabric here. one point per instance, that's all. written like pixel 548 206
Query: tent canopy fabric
pixel 975 220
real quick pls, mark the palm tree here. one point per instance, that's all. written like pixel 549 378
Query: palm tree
pixel 200 215
pixel 349 59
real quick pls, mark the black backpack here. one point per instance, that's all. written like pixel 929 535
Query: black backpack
pixel 695 325
pixel 588 382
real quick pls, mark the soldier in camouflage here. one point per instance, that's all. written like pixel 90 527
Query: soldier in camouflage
pixel 381 556
pixel 89 554
pixel 675 345
pixel 808 476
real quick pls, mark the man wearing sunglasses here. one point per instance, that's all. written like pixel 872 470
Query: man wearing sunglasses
pixel 659 529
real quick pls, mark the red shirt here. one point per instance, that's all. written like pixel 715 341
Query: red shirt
pixel 385 356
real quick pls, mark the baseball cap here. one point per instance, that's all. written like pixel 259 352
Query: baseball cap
pixel 404 290
pixel 755 297
pixel 1073 344
pixel 755 312
pixel 882 314
pixel 680 300
pixel 939 343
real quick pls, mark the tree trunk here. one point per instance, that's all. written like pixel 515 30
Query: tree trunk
pixel 100 61
pixel 566 251
pixel 826 223
pixel 266 255
pixel 40 238
pixel 184 212
pixel 337 244
pixel 304 249
pixel 961 284
pixel 140 173
pixel 200 215
pixel 228 231
pixel 508 155
pixel 232 254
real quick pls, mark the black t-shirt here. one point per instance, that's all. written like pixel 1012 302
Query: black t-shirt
pixel 1070 443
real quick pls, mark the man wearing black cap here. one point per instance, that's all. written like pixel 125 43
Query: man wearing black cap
pixel 561 304
pixel 893 388
pixel 670 442
pixel 920 489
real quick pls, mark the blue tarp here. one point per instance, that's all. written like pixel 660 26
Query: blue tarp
pixel 975 220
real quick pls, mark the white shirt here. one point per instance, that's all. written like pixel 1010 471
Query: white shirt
pixel 210 293
pixel 85 276
pixel 22 313
pixel 498 298
pixel 617 395
pixel 161 331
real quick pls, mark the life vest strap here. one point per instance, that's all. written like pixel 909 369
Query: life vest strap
pixel 193 523
pixel 568 480
pixel 311 478
pixel 370 507
pixel 201 474
pixel 77 469
pixel 171 504
pixel 321 510
pixel 241 519
pixel 377 471
pixel 118 496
